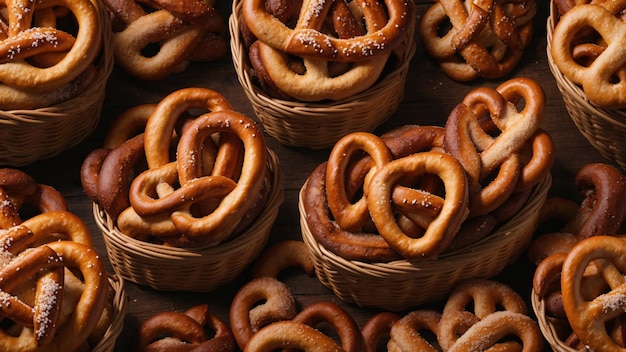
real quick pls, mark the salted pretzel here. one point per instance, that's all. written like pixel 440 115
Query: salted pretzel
pixel 259 303
pixel 603 80
pixel 72 329
pixel 485 39
pixel 588 316
pixel 184 31
pixel 320 313
pixel 290 334
pixel 306 39
pixel 480 153
pixel 196 329
pixel 440 230
pixel 405 334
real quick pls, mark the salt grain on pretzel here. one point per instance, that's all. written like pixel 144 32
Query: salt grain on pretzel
pixel 406 333
pixel 289 334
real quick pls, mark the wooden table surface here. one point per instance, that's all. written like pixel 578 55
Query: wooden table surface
pixel 429 97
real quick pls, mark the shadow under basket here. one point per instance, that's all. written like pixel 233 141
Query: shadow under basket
pixel 30 135
pixel 403 284
pixel 603 128
pixel 548 329
pixel 320 125
pixel 168 268
pixel 107 344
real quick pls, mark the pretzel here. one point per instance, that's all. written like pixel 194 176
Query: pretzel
pixel 499 325
pixel 486 38
pixel 376 328
pixel 320 313
pixel 405 334
pixel 597 79
pixel 182 31
pixel 82 319
pixel 289 334
pixel 185 331
pixel 306 39
pixel 588 315
pixel 283 255
pixel 441 230
pixel 259 303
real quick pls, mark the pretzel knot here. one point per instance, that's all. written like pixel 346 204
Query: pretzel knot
pixel 588 315
pixel 179 32
pixel 604 79
pixel 486 38
pixel 307 40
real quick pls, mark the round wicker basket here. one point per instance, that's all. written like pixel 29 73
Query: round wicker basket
pixel 107 344
pixel 402 284
pixel 548 329
pixel 319 125
pixel 30 135
pixel 603 128
pixel 170 268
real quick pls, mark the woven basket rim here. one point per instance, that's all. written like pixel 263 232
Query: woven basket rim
pixel 119 313
pixel 546 328
pixel 574 91
pixel 157 251
pixel 257 95
pixel 444 261
pixel 104 68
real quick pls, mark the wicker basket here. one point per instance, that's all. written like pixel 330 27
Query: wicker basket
pixel 603 128
pixel 30 135
pixel 548 329
pixel 107 344
pixel 319 125
pixel 169 268
pixel 401 284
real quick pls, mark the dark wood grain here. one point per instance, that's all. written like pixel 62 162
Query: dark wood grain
pixel 428 99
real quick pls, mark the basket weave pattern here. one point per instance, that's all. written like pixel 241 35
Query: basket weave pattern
pixel 170 268
pixel 107 344
pixel 548 329
pixel 319 125
pixel 401 284
pixel 30 135
pixel 603 128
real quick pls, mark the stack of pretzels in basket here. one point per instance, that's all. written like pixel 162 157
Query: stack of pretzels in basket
pixel 329 50
pixel 472 39
pixel 214 187
pixel 419 191
pixel 48 49
pixel 55 290
pixel 587 47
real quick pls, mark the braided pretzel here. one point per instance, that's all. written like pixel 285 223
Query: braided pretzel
pixel 82 319
pixel 589 316
pixel 185 331
pixel 289 334
pixel 182 30
pixel 306 39
pixel 441 229
pixel 405 333
pixel 598 78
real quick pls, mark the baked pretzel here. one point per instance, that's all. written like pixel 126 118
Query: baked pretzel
pixel 377 328
pixel 604 79
pixel 485 39
pixel 588 316
pixel 259 303
pixel 320 313
pixel 283 255
pixel 194 330
pixel 440 230
pixel 290 334
pixel 306 39
pixel 405 334
pixel 182 30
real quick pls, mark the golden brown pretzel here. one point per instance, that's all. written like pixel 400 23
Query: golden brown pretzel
pixel 180 29
pixel 596 79
pixel 376 328
pixel 82 318
pixel 185 331
pixel 588 316
pixel 405 334
pixel 441 229
pixel 320 313
pixel 289 334
pixel 282 255
pixel 306 39
pixel 259 302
